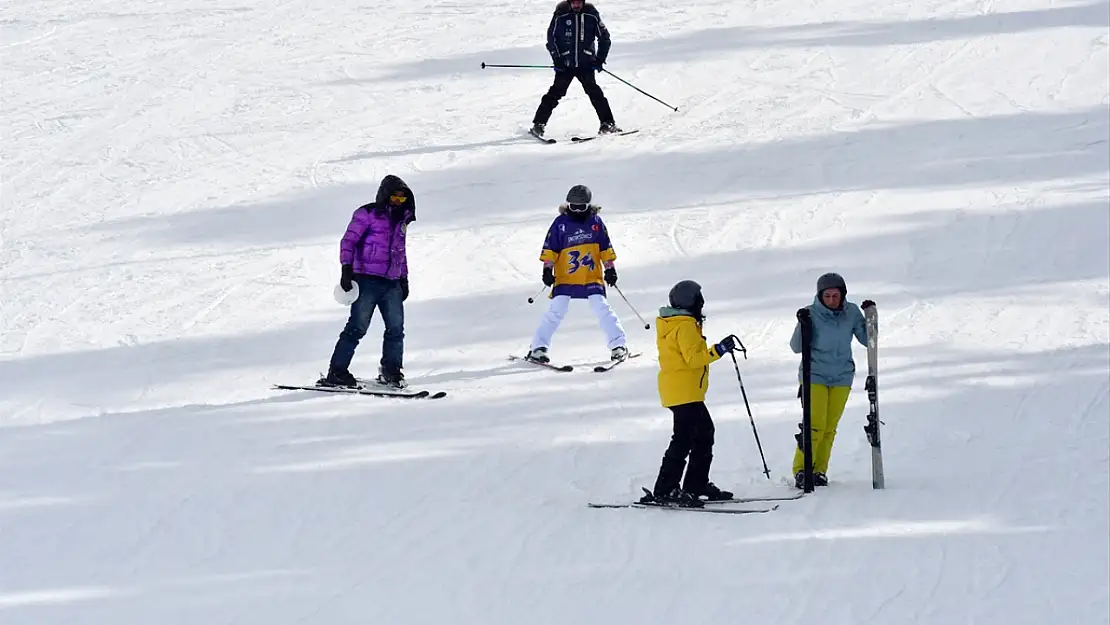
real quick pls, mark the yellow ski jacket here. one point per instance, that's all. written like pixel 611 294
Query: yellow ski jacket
pixel 684 358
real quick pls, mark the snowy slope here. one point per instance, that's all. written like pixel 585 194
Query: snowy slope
pixel 176 176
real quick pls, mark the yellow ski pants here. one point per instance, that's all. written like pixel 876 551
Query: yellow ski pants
pixel 826 405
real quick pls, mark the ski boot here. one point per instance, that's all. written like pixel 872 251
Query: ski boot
pixel 538 355
pixel 819 479
pixel 537 130
pixel 339 378
pixel 677 498
pixel 609 128
pixel 713 493
pixel 619 353
pixel 392 379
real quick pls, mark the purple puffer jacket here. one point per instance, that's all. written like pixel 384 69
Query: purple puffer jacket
pixel 374 244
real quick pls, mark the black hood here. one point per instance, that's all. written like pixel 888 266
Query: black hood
pixel 564 6
pixel 390 185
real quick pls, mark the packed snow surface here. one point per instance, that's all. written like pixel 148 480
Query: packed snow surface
pixel 176 177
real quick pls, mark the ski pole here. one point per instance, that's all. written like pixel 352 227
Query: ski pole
pixel 735 364
pixel 647 326
pixel 532 299
pixel 743 350
pixel 675 108
pixel 485 65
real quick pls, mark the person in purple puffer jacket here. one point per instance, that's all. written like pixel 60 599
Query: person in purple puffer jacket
pixel 372 255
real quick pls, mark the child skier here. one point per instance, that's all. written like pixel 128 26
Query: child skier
pixel 832 370
pixel 372 255
pixel 684 359
pixel 578 262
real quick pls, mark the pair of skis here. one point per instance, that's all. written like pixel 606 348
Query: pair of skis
pixel 872 428
pixel 577 139
pixel 371 388
pixel 602 368
pixel 712 507
pixel 367 388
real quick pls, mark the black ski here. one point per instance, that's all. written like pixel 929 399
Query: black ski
pixel 541 138
pixel 871 319
pixel 548 365
pixel 613 363
pixel 708 510
pixel 665 506
pixel 372 391
pixel 720 505
pixel 790 497
pixel 608 134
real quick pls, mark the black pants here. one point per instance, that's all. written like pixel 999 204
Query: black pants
pixel 585 75
pixel 693 437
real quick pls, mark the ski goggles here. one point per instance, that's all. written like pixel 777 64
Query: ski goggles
pixel 398 198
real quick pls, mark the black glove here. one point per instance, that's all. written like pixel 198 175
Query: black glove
pixel 562 63
pixel 867 304
pixel 404 288
pixel 548 276
pixel 345 278
pixel 727 344
pixel 599 65
pixel 611 276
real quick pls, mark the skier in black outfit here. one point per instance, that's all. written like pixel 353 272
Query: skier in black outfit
pixel 570 40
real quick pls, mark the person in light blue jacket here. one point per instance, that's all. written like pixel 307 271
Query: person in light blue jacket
pixel 832 369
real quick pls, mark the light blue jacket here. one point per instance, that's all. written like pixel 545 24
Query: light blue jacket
pixel 832 363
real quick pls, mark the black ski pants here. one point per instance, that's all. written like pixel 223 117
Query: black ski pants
pixel 693 437
pixel 585 75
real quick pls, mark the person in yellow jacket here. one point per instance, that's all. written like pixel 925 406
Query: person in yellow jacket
pixel 684 359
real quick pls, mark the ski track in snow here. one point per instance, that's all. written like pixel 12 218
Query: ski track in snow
pixel 176 179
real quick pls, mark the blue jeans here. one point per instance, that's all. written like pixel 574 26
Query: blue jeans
pixel 385 295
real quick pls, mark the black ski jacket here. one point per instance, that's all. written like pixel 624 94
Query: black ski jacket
pixel 571 37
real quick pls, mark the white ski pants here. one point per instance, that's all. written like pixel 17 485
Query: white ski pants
pixel 610 323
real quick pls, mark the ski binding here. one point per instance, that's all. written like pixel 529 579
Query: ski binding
pixel 552 366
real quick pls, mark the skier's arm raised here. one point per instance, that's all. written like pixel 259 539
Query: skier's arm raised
pixel 859 325
pixel 694 349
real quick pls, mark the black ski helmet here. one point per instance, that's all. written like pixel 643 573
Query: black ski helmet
pixel 832 281
pixel 687 296
pixel 579 198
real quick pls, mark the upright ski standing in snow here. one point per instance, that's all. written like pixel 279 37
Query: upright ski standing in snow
pixel 871 317
pixel 805 428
